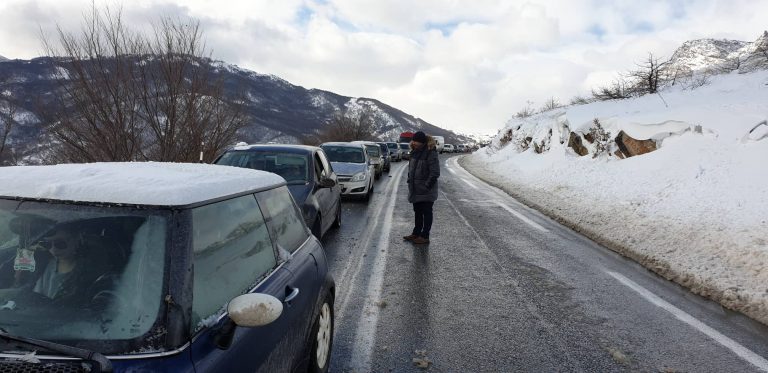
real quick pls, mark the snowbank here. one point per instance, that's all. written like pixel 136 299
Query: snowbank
pixel 695 210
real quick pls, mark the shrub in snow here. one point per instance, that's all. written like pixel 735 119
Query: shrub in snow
pixel 600 138
pixel 550 104
pixel 527 111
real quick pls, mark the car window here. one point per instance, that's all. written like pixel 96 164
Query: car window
pixel 288 228
pixel 291 166
pixel 344 154
pixel 392 145
pixel 113 291
pixel 373 150
pixel 404 146
pixel 232 252
pixel 324 160
pixel 319 167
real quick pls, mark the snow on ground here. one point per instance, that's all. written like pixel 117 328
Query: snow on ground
pixel 694 211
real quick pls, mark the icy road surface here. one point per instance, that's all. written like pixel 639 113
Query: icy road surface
pixel 503 288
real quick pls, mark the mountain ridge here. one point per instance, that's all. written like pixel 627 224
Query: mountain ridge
pixel 277 110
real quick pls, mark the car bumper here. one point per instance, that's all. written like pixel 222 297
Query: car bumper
pixel 349 188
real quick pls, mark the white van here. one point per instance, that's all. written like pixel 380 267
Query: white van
pixel 439 141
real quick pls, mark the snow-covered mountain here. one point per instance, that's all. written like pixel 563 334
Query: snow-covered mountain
pixel 721 55
pixel 277 110
pixel 3 59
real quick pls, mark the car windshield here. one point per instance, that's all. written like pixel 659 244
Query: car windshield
pixel 404 146
pixel 85 275
pixel 373 150
pixel 344 154
pixel 392 145
pixel 291 166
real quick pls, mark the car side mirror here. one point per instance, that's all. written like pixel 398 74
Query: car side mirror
pixel 327 182
pixel 252 310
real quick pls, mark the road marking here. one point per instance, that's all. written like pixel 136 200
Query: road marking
pixel 500 195
pixel 741 351
pixel 450 169
pixel 522 217
pixel 365 334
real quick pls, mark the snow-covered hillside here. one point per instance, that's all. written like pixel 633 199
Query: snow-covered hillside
pixel 716 55
pixel 694 210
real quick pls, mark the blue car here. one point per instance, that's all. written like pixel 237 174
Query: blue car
pixel 307 171
pixel 159 267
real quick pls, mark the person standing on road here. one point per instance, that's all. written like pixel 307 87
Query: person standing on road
pixel 423 171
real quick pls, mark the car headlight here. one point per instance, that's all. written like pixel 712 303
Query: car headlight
pixel 360 176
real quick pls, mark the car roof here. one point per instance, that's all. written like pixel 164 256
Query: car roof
pixel 347 144
pixel 286 148
pixel 133 183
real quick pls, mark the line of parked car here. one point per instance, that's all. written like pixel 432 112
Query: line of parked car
pixel 461 148
pixel 179 267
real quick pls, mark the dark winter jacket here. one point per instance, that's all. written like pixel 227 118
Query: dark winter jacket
pixel 423 171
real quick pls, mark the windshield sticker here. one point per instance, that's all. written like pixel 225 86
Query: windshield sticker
pixel 25 260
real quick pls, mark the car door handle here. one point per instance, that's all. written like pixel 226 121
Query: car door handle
pixel 294 292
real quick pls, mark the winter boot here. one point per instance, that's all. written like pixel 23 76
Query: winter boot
pixel 420 241
pixel 410 237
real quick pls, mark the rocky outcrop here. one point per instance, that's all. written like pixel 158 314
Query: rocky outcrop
pixel 574 142
pixel 631 147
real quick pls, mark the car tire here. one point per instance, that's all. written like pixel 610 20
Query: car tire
pixel 322 337
pixel 317 228
pixel 337 222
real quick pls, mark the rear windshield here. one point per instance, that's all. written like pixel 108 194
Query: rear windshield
pixel 344 154
pixel 392 145
pixel 373 150
pixel 81 275
pixel 404 146
pixel 291 166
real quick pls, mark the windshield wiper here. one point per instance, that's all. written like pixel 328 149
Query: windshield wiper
pixel 104 363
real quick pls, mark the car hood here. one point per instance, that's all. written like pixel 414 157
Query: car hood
pixel 300 192
pixel 343 168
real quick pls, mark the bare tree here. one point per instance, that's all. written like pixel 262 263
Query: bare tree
pixel 551 104
pixel 126 95
pixel 8 110
pixel 615 91
pixel 649 76
pixel 526 111
pixel 579 100
pixel 347 128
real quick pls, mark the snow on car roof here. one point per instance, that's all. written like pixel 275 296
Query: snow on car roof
pixel 136 183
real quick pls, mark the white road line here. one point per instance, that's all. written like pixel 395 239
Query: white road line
pixel 522 217
pixel 501 196
pixel 451 170
pixel 469 183
pixel 741 351
pixel 350 273
pixel 365 335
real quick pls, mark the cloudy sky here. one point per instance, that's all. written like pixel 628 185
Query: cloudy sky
pixel 466 65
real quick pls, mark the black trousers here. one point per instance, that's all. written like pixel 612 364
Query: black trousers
pixel 423 212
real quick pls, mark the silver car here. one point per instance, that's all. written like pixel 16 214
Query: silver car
pixel 374 154
pixel 354 171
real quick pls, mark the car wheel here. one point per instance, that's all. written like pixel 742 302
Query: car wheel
pixel 337 222
pixel 317 228
pixel 322 338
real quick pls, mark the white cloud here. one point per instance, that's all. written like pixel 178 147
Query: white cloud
pixel 460 64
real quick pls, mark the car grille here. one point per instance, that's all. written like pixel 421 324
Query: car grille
pixel 342 179
pixel 12 366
